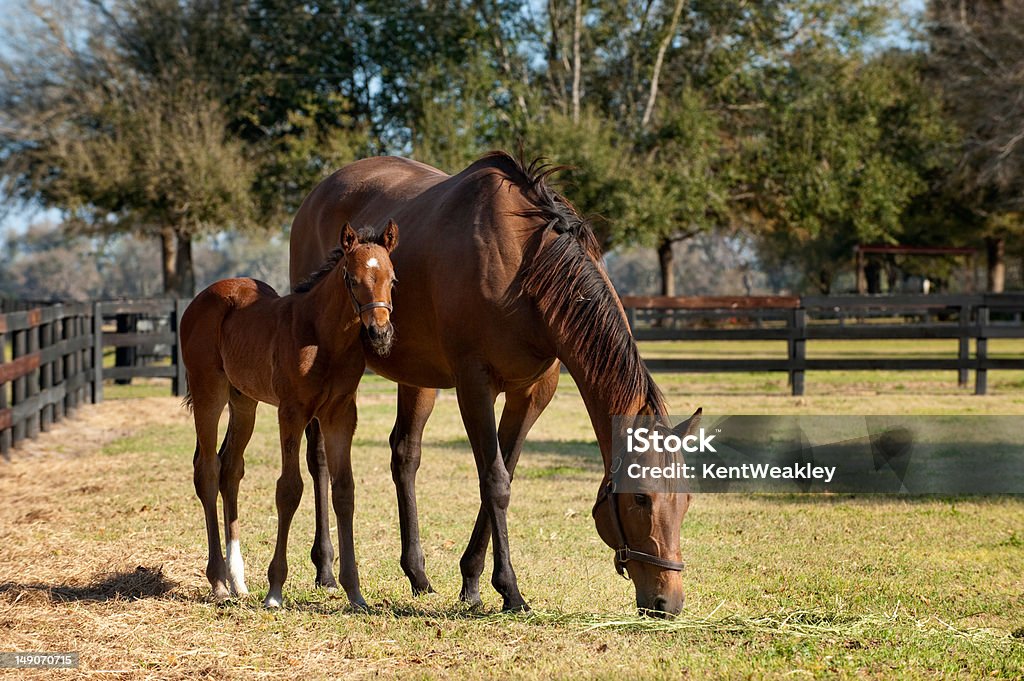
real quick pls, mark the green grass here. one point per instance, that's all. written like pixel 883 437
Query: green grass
pixel 777 586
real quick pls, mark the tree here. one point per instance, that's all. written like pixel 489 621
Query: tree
pixel 853 143
pixel 977 60
pixel 122 138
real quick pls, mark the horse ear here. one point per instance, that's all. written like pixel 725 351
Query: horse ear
pixel 349 238
pixel 690 425
pixel 389 239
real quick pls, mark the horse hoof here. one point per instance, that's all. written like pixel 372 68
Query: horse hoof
pixel 221 593
pixel 472 600
pixel 239 590
pixel 327 583
pixel 272 602
pixel 359 606
pixel 420 590
pixel 516 607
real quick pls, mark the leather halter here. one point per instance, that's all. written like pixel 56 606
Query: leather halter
pixel 360 309
pixel 624 554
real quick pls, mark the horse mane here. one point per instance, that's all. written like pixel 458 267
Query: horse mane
pixel 366 236
pixel 567 282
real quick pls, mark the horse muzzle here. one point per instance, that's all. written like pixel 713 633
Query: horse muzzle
pixel 381 338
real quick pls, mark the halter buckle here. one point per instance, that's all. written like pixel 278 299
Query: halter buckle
pixel 621 556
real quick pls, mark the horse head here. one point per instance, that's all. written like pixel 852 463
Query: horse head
pixel 369 278
pixel 643 529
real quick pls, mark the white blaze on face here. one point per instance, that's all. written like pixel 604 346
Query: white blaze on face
pixel 372 262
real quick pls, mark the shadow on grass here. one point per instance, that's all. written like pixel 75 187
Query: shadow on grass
pixel 327 604
pixel 131 585
pixel 583 449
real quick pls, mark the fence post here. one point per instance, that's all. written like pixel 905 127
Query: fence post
pixel 85 358
pixel 981 355
pixel 631 319
pixel 180 383
pixel 97 353
pixel 32 381
pixel 68 363
pixel 964 355
pixel 18 387
pixel 797 349
pixel 46 377
pixel 5 433
pixel 126 355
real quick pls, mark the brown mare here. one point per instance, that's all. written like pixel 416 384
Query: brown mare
pixel 243 344
pixel 501 280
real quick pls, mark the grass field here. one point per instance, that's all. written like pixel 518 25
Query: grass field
pixel 104 551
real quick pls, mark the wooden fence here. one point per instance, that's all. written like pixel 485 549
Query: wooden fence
pixel 53 357
pixel 798 321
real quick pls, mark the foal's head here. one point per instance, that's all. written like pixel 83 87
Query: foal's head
pixel 369 277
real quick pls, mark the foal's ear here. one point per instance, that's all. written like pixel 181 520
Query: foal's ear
pixel 389 239
pixel 690 425
pixel 349 238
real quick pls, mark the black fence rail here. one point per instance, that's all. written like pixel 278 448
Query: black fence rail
pixel 800 320
pixel 53 357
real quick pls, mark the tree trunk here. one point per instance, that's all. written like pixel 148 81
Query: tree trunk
pixel 665 262
pixel 184 268
pixel 659 60
pixel 176 256
pixel 169 257
pixel 873 274
pixel 995 247
pixel 824 281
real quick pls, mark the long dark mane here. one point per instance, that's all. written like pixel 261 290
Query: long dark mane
pixel 337 254
pixel 568 284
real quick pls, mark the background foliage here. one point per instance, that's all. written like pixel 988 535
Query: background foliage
pixel 784 131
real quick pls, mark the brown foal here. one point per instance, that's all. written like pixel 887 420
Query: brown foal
pixel 243 344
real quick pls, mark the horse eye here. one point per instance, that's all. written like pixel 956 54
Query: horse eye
pixel 394 283
pixel 642 500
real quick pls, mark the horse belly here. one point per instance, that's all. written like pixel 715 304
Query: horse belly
pixel 248 368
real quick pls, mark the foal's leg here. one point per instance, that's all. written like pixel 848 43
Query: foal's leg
pixel 522 407
pixel 414 407
pixel 476 395
pixel 289 493
pixel 241 419
pixel 322 553
pixel 338 429
pixel 209 395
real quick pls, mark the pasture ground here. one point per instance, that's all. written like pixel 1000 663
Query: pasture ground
pixel 104 552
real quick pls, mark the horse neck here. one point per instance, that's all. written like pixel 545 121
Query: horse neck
pixel 602 399
pixel 585 321
pixel 327 308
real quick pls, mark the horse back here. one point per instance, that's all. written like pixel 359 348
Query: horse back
pixel 230 324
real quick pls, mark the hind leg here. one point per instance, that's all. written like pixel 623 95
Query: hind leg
pixel 232 454
pixel 208 399
pixel 522 408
